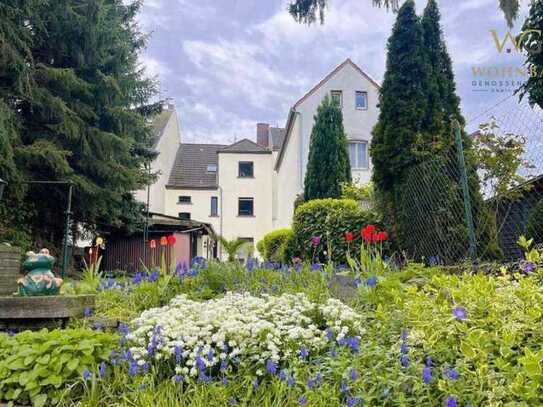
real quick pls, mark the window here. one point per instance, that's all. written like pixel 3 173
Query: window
pixel 245 207
pixel 358 154
pixel 212 168
pixel 361 100
pixel 184 215
pixel 214 206
pixel 184 199
pixel 246 169
pixel 337 97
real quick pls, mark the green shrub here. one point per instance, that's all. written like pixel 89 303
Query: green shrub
pixel 39 366
pixel 329 219
pixel 270 245
pixel 534 227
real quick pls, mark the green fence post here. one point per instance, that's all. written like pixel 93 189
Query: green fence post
pixel 466 194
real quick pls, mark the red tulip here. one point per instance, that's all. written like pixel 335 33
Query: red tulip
pixel 152 244
pixel 163 241
pixel 381 236
pixel 349 236
pixel 171 240
pixel 368 233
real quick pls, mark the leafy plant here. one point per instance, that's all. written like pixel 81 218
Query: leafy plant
pixel 232 247
pixel 270 246
pixel 41 366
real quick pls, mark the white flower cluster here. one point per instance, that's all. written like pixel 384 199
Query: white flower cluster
pixel 238 328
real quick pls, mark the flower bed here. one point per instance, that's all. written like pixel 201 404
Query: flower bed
pixel 205 339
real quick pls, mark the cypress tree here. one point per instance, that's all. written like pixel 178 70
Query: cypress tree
pixel 328 166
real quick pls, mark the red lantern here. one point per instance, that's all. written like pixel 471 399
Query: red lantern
pixel 171 240
pixel 152 244
pixel 163 241
pixel 349 236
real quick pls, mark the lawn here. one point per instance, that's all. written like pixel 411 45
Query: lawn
pixel 226 334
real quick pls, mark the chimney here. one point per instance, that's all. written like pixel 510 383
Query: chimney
pixel 263 134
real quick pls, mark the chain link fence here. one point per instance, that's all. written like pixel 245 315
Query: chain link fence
pixel 473 201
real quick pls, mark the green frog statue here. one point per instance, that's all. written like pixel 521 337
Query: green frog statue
pixel 39 279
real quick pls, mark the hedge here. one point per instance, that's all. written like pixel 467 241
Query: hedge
pixel 270 245
pixel 330 219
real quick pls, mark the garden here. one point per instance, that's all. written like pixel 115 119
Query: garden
pixel 308 333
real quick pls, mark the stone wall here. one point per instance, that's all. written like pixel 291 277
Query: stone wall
pixel 10 266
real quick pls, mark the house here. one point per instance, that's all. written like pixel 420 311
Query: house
pixel 357 94
pixel 247 189
pixel 227 186
pixel 166 140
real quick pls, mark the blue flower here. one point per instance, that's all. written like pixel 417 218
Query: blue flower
pixel 11 334
pixel 250 265
pixel 371 282
pixel 451 374
pixel 354 343
pixel 357 282
pixel 210 355
pixel 353 401
pixel 404 349
pixel 316 266
pixel 145 367
pixel 303 352
pixel 343 387
pixel 203 377
pixel 311 384
pixel 353 374
pixel 451 402
pixel 87 312
pixel 102 369
pixel 256 384
pixel 403 335
pixel 427 375
pixel 225 381
pixel 404 360
pixel 178 378
pixel 429 361
pixel 178 353
pixel 137 279
pixel 460 313
pixel 333 352
pixel 153 277
pixel 271 367
pixel 123 329
pixel 86 375
pixel 291 382
pixel 223 365
pixel 529 267
pixel 282 375
pixel 133 369
pixel 200 365
pixel 298 267
pixel 98 325
pixel 302 400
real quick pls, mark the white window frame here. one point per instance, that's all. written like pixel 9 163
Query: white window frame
pixel 365 94
pixel 340 93
pixel 357 142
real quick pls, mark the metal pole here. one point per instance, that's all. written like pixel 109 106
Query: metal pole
pixel 67 231
pixel 146 224
pixel 466 194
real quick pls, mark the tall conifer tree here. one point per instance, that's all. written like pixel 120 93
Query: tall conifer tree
pixel 328 166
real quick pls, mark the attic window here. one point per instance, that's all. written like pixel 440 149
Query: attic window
pixel 212 168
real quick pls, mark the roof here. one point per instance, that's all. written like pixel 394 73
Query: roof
pixel 190 166
pixel 292 113
pixel 158 220
pixel 245 146
pixel 277 135
pixel 159 124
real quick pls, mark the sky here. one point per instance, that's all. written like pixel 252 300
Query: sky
pixel 229 64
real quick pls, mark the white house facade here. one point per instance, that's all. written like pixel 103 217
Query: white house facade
pixel 247 189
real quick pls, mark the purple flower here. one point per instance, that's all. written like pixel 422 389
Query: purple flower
pixel 460 313
pixel 404 360
pixel 343 387
pixel 225 381
pixel 329 334
pixel 290 381
pixel 153 277
pixel 250 265
pixel 86 375
pixel 451 402
pixel 371 282
pixel 302 400
pixel 353 401
pixel 11 334
pixel 303 352
pixel 145 367
pixel 256 384
pixel 203 377
pixel 271 367
pixel 223 365
pixel 282 375
pixel 353 374
pixel 311 384
pixel 333 352
pixel 178 378
pixel 404 349
pixel 429 361
pixel 403 335
pixel 298 267
pixel 451 374
pixel 133 369
pixel 315 241
pixel 200 365
pixel 529 267
pixel 427 375
pixel 210 355
pixel 87 312
pixel 138 277
pixel 102 369
pixel 178 353
pixel 354 343
pixel 123 329
pixel 357 282
pixel 316 266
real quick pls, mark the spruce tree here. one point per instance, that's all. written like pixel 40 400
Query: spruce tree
pixel 328 166
pixel 80 105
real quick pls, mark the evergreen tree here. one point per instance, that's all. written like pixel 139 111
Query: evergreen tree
pixel 403 101
pixel 328 166
pixel 80 104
